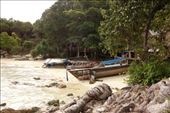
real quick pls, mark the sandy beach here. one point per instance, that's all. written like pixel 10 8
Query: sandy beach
pixel 20 90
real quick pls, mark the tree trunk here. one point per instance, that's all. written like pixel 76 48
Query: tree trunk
pixel 85 53
pixel 158 6
pixel 70 50
pixel 78 51
pixel 145 43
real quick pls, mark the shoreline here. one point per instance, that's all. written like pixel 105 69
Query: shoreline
pixel 24 72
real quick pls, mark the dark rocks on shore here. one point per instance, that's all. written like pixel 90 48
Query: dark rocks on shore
pixel 36 78
pixel 54 103
pixel 52 109
pixel 3 104
pixel 15 82
pixel 29 84
pixel 100 99
pixel 70 94
pixel 62 86
pixel 134 99
pixel 55 84
pixel 62 102
pixel 10 110
pixel 35 109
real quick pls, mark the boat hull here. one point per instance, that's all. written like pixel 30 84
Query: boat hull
pixel 84 74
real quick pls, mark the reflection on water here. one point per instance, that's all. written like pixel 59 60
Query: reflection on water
pixel 19 89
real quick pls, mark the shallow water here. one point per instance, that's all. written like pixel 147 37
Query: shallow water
pixel 28 92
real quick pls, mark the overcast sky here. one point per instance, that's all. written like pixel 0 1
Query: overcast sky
pixel 24 10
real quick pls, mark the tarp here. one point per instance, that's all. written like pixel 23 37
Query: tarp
pixel 113 61
pixel 55 61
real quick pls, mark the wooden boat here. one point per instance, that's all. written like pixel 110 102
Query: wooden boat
pixel 97 72
pixel 81 64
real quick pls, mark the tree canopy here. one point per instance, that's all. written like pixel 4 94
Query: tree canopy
pixel 127 24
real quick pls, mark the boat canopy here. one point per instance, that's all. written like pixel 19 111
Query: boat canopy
pixel 113 61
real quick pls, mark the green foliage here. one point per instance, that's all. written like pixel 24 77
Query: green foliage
pixel 126 24
pixel 42 48
pixel 22 29
pixel 11 44
pixel 27 45
pixel 148 73
pixel 34 53
pixel 71 24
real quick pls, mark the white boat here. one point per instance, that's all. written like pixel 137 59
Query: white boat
pixel 50 62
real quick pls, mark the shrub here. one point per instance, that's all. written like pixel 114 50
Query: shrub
pixel 34 53
pixel 41 49
pixel 27 45
pixel 148 73
pixel 9 43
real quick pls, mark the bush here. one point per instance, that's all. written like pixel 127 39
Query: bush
pixel 148 73
pixel 9 43
pixel 27 45
pixel 34 53
pixel 41 49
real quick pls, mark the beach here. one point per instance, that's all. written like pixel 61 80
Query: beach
pixel 21 89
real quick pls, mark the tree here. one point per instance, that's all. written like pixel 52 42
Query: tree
pixel 122 26
pixel 126 21
pixel 9 43
pixel 27 45
pixel 72 21
pixel 42 49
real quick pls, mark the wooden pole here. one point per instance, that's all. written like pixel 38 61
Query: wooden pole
pixel 66 75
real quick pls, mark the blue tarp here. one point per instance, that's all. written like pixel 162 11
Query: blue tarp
pixel 116 60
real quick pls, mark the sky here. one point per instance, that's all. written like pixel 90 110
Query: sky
pixel 26 11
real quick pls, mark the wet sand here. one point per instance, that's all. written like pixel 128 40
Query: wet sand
pixel 29 92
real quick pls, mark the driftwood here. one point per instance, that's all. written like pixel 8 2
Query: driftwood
pixel 135 99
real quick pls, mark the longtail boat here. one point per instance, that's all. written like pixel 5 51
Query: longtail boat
pixel 108 69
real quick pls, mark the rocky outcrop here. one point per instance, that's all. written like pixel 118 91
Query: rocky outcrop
pixel 100 92
pixel 10 110
pixel 100 99
pixel 135 99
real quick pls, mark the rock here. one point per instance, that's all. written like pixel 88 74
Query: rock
pixel 52 109
pixel 99 92
pixel 54 103
pixel 158 108
pixel 62 102
pixel 29 84
pixel 14 82
pixel 10 110
pixel 35 109
pixel 62 86
pixel 126 88
pixel 133 99
pixel 70 94
pixel 3 104
pixel 52 84
pixel 36 78
pixel 127 108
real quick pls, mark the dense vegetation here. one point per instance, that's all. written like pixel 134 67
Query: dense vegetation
pixel 71 28
pixel 11 44
pixel 24 31
pixel 128 25
pixel 92 28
